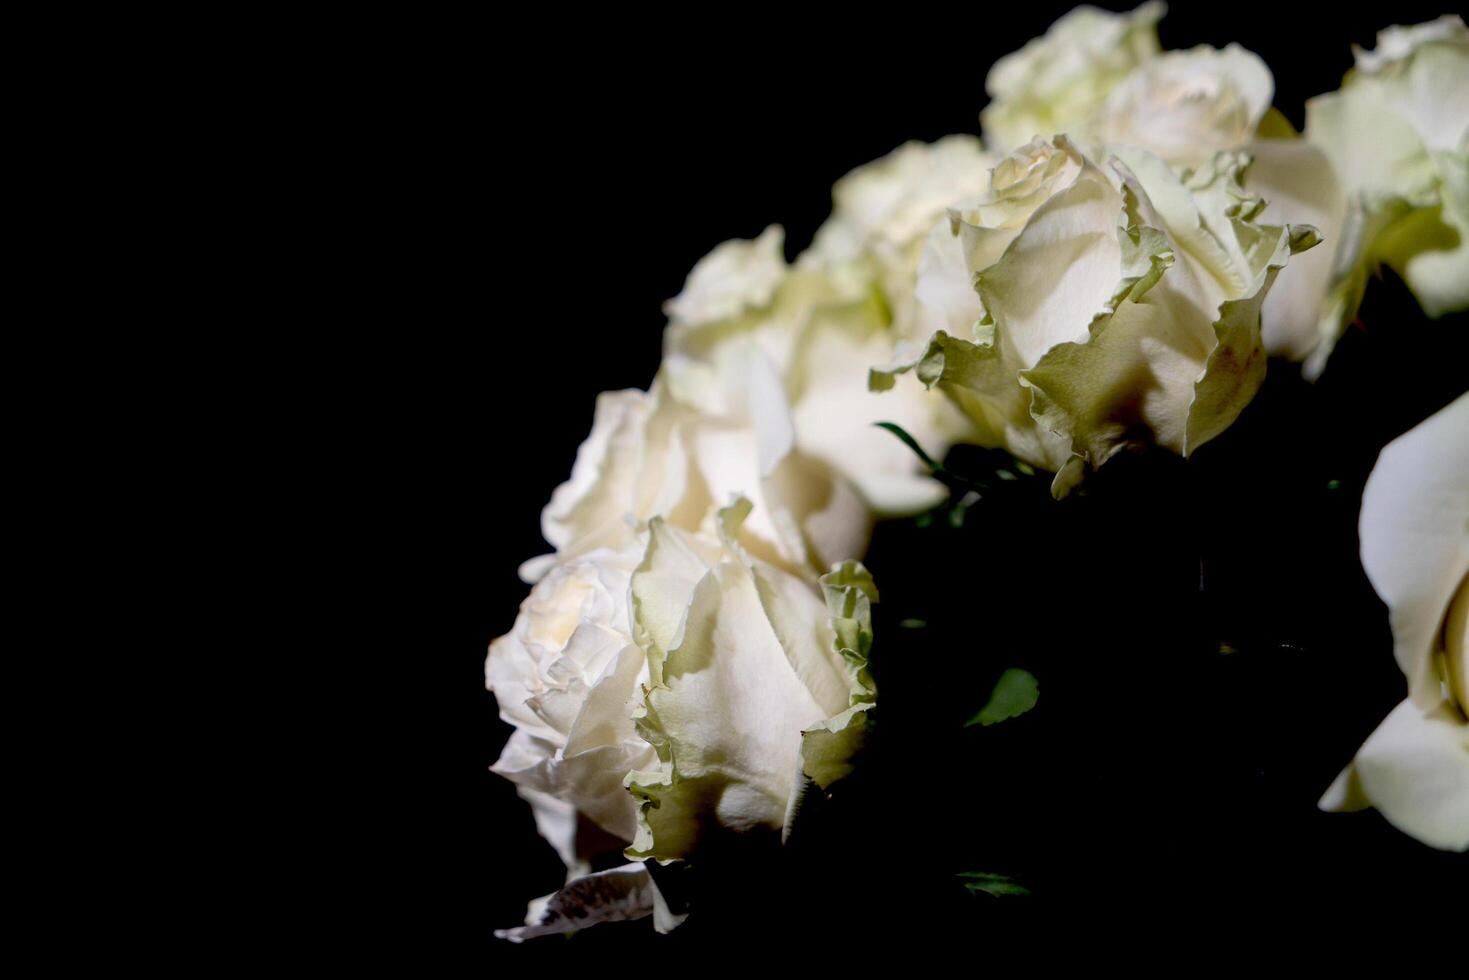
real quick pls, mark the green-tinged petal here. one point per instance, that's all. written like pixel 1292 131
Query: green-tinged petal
pixel 1060 272
pixel 1422 77
pixel 1174 353
pixel 755 663
pixel 1110 315
pixel 1274 126
pixel 827 748
pixel 985 384
pixel 662 586
pixel 1430 248
pixel 1374 151
pixel 726 723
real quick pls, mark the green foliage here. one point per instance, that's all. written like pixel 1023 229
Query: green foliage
pixel 912 444
pixel 1015 693
pixel 1000 886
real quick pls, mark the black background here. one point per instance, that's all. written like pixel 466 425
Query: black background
pixel 1158 782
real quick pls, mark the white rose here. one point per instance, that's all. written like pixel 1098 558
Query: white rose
pixel 882 211
pixel 1397 137
pixel 1415 547
pixel 675 689
pixel 651 455
pixel 795 359
pixel 1185 106
pixel 975 236
pixel 1059 80
pixel 1107 309
pixel 758 688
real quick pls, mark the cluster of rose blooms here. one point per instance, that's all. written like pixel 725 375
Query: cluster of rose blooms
pixel 692 659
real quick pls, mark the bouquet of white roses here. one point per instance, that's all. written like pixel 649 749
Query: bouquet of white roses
pixel 1008 344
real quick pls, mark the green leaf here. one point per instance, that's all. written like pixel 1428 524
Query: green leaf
pixel 1014 695
pixel 911 443
pixel 1000 886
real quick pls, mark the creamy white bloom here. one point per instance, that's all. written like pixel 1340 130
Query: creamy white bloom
pixel 1061 79
pixel 882 211
pixel 975 236
pixel 758 687
pixel 1397 137
pixel 675 688
pixel 652 455
pixel 1106 309
pixel 1185 106
pixel 1414 531
pixel 796 361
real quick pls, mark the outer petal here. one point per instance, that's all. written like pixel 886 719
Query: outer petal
pixel 556 822
pixel 1373 149
pixel 1415 769
pixel 1415 547
pixel 1430 249
pixel 827 749
pixel 737 276
pixel 1060 272
pixel 1414 531
pixel 1300 187
pixel 982 377
pixel 1424 81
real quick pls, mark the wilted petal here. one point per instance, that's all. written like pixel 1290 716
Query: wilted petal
pixel 616 895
